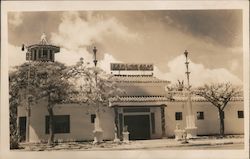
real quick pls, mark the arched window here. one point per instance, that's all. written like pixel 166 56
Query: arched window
pixel 34 55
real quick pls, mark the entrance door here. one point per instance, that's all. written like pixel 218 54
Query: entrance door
pixel 138 126
pixel 22 128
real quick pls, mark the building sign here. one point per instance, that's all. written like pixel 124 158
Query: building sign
pixel 131 67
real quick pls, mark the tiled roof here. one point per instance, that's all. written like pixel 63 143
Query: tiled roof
pixel 142 99
pixel 138 79
pixel 176 97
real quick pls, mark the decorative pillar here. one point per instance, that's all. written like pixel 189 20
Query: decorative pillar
pixel 120 127
pixel 42 55
pixel 163 123
pixel 32 55
pixel 37 54
pixel 191 129
pixel 116 125
pixel 98 132
pixel 48 55
pixel 53 56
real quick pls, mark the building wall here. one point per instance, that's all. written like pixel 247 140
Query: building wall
pixel 158 129
pixel 81 127
pixel 210 124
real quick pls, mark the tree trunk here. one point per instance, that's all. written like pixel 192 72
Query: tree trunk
pixel 51 126
pixel 221 116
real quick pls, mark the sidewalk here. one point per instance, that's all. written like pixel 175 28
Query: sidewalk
pixel 165 143
pixel 134 145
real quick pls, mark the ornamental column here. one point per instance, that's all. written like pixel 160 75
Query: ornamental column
pixel 191 129
pixel 98 132
pixel 163 122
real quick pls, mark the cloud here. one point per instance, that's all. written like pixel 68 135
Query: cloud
pixel 234 65
pixel 15 19
pixel 199 74
pixel 75 32
pixel 70 57
pixel 15 55
pixel 209 23
pixel 105 63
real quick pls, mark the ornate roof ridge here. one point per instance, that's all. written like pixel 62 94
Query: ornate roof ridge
pixel 127 75
pixel 151 98
pixel 138 79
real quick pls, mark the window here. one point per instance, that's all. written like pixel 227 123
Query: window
pixel 39 54
pixel 61 124
pixel 240 114
pixel 22 128
pixel 45 53
pixel 178 115
pixel 200 115
pixel 35 55
pixel 92 118
pixel 51 55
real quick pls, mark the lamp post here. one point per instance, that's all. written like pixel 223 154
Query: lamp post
pixel 187 72
pixel 29 97
pixel 95 59
pixel 191 129
pixel 98 132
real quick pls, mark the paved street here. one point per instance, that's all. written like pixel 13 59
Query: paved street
pixel 236 142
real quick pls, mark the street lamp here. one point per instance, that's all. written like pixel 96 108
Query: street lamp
pixel 191 129
pixel 187 72
pixel 29 97
pixel 95 60
pixel 98 132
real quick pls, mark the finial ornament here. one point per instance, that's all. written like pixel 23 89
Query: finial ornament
pixel 43 39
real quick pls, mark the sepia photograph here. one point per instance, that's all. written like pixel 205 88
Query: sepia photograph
pixel 149 81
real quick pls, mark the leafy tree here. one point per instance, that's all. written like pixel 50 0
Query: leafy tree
pixel 219 95
pixel 174 89
pixel 48 80
pixel 18 95
pixel 14 138
pixel 94 87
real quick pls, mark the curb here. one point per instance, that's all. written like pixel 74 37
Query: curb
pixel 170 146
pixel 179 145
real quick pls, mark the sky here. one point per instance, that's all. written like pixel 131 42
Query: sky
pixel 213 39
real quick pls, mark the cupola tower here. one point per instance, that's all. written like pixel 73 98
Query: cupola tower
pixel 43 51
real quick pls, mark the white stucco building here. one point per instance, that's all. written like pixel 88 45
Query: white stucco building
pixel 145 110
